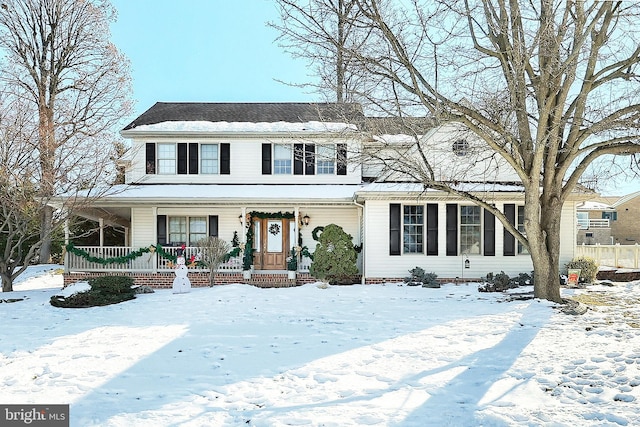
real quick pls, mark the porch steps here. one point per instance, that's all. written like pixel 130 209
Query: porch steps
pixel 272 280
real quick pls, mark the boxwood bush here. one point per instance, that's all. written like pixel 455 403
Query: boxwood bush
pixel 104 291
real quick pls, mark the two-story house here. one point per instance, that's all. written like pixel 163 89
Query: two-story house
pixel 271 175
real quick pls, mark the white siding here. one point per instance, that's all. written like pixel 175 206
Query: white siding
pixel 378 262
pixel 143 227
pixel 245 164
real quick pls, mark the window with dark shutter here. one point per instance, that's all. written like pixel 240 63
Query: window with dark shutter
pixel 509 239
pixel 298 159
pixel 150 158
pixel 266 159
pixel 395 222
pixel 225 159
pixel 452 230
pixel 213 225
pixel 182 158
pixel 193 158
pixel 309 159
pixel 489 234
pixel 161 227
pixel 432 229
pixel 341 159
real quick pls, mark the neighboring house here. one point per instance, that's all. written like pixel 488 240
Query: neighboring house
pixel 626 227
pixel 271 175
pixel 594 218
pixel 609 220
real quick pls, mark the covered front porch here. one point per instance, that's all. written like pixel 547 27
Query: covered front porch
pixel 150 266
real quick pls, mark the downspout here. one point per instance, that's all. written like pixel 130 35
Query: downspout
pixel 362 234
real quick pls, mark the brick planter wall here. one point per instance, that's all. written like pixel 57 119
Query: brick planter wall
pixel 198 280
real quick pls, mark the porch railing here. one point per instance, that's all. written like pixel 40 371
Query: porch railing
pixel 587 223
pixel 621 256
pixel 149 262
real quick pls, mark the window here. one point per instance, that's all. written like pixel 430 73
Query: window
pixel 187 230
pixel 612 216
pixel 520 226
pixel 166 158
pixel 177 230
pixel 413 229
pixel 326 157
pixel 282 154
pixel 460 147
pixel 197 229
pixel 470 229
pixel 209 158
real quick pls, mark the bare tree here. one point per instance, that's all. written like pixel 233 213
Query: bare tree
pixel 58 57
pixel 323 33
pixel 546 88
pixel 213 251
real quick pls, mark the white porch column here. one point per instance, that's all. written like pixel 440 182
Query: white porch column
pixel 101 222
pixel 126 236
pixel 66 242
pixel 244 224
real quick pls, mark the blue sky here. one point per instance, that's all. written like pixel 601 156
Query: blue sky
pixel 205 50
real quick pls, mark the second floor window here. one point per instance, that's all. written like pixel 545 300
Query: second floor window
pixel 282 155
pixel 326 159
pixel 166 159
pixel 187 158
pixel 209 158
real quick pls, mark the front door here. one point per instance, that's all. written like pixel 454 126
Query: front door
pixel 271 237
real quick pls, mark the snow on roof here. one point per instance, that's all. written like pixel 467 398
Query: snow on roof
pixel 593 206
pixel 203 126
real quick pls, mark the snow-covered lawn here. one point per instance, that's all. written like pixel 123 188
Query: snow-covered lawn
pixel 379 355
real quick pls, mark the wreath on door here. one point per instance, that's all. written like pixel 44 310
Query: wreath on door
pixel 274 229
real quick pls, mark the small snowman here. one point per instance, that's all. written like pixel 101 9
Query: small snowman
pixel 181 284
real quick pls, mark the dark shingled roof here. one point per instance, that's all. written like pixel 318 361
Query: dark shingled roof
pixel 289 112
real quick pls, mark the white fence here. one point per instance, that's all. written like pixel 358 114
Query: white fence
pixel 149 262
pixel 621 256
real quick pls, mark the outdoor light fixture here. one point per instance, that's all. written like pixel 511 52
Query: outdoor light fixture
pixel 306 219
pixel 240 218
pixel 467 264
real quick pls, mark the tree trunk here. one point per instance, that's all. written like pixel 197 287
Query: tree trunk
pixel 7 283
pixel 544 239
pixel 47 147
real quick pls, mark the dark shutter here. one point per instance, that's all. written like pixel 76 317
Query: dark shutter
pixel 182 158
pixel 266 159
pixel 298 159
pixel 432 229
pixel 193 158
pixel 489 234
pixel 161 226
pixel 213 225
pixel 151 157
pixel 509 239
pixel 452 230
pixel 394 229
pixel 225 159
pixel 341 160
pixel 309 159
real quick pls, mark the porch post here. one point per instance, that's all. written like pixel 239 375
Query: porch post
pixel 101 222
pixel 126 236
pixel 66 242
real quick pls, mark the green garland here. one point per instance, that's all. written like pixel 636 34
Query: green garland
pixel 121 259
